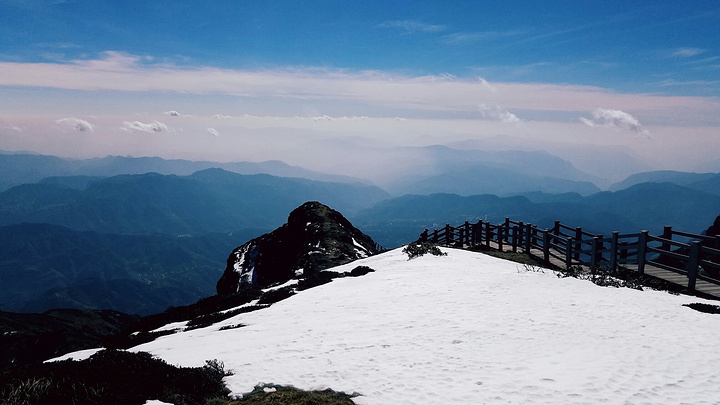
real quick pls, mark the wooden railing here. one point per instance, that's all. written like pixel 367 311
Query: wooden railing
pixel 696 256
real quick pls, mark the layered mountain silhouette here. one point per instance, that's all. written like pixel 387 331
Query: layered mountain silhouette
pixel 212 200
pixel 21 168
pixel 47 266
pixel 706 182
pixel 645 206
pixel 314 238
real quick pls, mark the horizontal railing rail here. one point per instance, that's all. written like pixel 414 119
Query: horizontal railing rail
pixel 697 256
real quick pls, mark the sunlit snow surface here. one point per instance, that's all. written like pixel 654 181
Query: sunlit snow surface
pixel 467 328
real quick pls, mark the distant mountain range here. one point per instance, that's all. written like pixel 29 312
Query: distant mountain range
pixel 705 182
pixel 212 200
pixel 480 179
pixel 19 168
pixel 647 206
pixel 47 266
pixel 139 242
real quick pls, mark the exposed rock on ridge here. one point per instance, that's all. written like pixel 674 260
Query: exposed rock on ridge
pixel 315 237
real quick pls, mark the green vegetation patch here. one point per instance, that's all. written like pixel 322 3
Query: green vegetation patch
pixel 281 395
pixel 112 377
pixel 417 249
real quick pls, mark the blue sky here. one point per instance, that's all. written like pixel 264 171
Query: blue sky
pixel 611 73
pixel 624 45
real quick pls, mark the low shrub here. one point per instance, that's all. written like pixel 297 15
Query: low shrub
pixel 417 249
pixel 112 377
pixel 360 271
pixel 706 308
pixel 315 279
pixel 273 296
pixel 281 395
pixel 603 276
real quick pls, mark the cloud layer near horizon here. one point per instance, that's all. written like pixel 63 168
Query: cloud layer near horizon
pixel 128 73
pixel 285 114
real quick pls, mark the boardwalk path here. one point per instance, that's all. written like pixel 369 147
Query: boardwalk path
pixel 702 287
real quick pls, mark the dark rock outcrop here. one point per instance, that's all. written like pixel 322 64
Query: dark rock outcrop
pixel 315 237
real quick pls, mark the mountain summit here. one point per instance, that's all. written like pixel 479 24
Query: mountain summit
pixel 315 237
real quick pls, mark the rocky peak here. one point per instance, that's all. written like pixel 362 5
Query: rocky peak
pixel 315 237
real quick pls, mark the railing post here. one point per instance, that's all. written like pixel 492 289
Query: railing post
pixel 623 252
pixel 500 237
pixel 667 234
pixel 488 234
pixel 467 233
pixel 614 250
pixel 546 245
pixel 515 238
pixel 478 233
pixel 642 248
pixel 578 242
pixel 528 238
pixel 435 236
pixel 692 269
pixel 448 234
pixel 568 252
pixel 594 252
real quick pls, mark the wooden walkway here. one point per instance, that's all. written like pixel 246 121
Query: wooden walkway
pixel 689 260
pixel 703 288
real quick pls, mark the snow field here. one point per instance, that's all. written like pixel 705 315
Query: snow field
pixel 467 328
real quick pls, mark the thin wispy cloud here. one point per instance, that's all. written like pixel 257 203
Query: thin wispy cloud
pixel 674 83
pixel 412 26
pixel 129 73
pixel 76 124
pixel 214 132
pixel 484 83
pixel 687 52
pixel 469 37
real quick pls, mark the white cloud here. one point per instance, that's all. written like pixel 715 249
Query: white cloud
pixel 323 118
pixel 617 119
pixel 223 117
pixel 119 72
pixel 411 26
pixel 213 132
pixel 467 37
pixel 447 77
pixel 77 124
pixel 484 83
pixel 151 128
pixel 5 127
pixel 355 118
pixel 172 113
pixel 498 113
pixel 687 52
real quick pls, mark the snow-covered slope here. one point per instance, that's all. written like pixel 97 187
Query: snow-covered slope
pixel 470 329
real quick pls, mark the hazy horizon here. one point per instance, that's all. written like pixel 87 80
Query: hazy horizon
pixel 313 84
